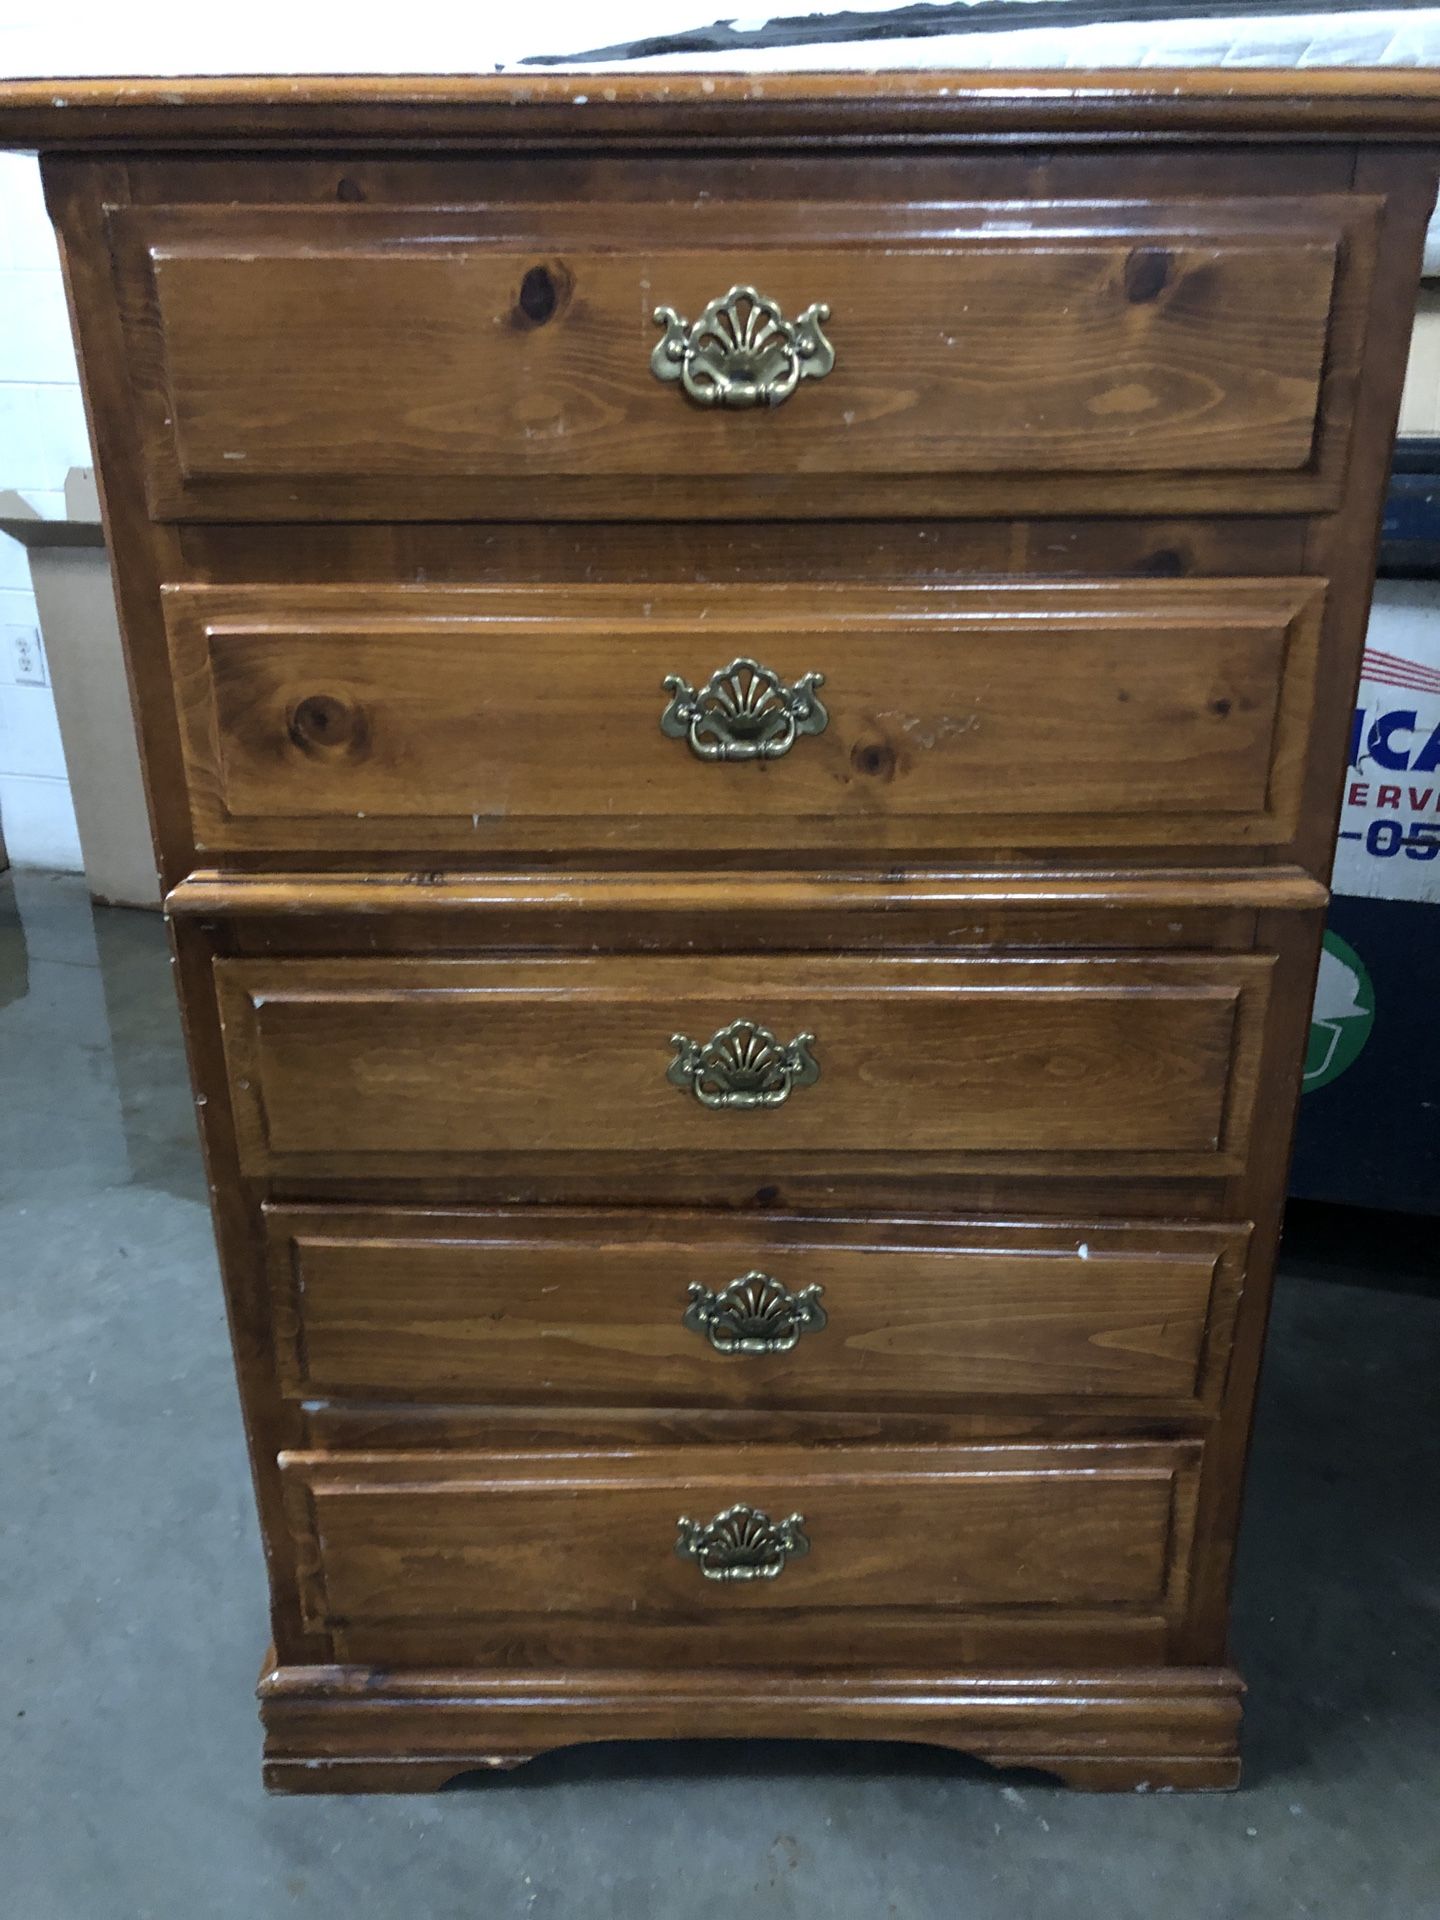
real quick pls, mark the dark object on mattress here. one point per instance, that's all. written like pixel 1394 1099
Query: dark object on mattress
pixel 1410 536
pixel 925 22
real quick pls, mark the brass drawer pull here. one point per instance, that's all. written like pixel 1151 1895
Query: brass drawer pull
pixel 743 1065
pixel 742 1544
pixel 743 712
pixel 742 351
pixel 754 1314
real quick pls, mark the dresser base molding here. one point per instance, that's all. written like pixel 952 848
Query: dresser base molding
pixel 335 1729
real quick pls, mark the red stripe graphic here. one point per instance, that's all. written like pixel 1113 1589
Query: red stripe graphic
pixel 1400 680
pixel 1401 661
pixel 1406 686
pixel 1393 670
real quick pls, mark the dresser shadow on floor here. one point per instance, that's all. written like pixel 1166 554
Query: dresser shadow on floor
pixel 646 1762
pixel 1334 1617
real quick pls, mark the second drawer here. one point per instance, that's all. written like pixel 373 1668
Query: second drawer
pixel 410 1066
pixel 680 1310
pixel 1089 714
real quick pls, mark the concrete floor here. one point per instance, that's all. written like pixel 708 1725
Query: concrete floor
pixel 132 1603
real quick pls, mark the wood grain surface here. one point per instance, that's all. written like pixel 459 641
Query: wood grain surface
pixel 575 1308
pixel 649 110
pixel 1087 340
pixel 1102 714
pixel 428 1062
pixel 413 1537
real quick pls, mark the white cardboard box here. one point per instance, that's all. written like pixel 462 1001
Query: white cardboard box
pixel 70 573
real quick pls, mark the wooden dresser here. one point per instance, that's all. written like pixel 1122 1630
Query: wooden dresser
pixel 743 686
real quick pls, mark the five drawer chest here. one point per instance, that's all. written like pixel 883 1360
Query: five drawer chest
pixel 743 685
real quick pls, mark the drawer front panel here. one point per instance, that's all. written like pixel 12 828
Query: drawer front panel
pixel 358 360
pixel 350 1064
pixel 694 1311
pixel 1094 715
pixel 414 1537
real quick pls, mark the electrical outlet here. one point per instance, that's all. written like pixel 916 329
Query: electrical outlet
pixel 27 657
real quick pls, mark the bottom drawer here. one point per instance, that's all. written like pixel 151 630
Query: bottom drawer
pixel 696 1536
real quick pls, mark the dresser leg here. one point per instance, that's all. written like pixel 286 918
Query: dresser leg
pixel 421 1775
pixel 361 1730
pixel 1176 1773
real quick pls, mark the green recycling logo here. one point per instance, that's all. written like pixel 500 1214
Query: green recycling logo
pixel 1343 1014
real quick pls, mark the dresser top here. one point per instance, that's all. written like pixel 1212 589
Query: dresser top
pixel 639 108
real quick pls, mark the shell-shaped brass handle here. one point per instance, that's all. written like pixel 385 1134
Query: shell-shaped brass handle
pixel 742 351
pixel 743 712
pixel 743 1065
pixel 742 1544
pixel 754 1314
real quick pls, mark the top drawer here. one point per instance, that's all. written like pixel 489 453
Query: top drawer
pixel 403 363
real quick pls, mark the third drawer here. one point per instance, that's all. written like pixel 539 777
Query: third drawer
pixel 574 1308
pixel 1131 1064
